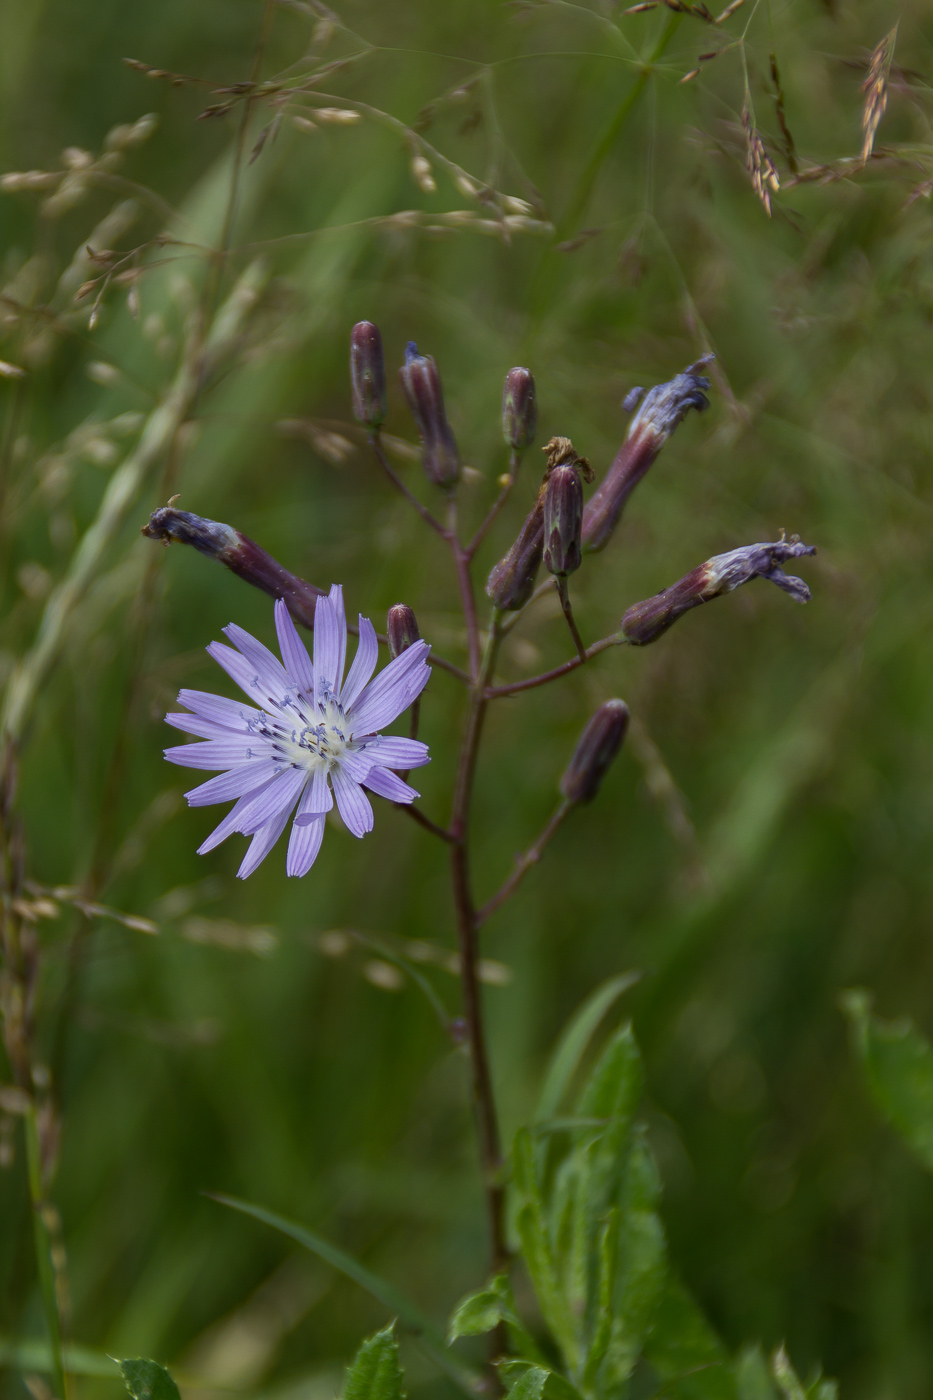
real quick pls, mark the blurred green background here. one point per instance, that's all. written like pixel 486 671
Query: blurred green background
pixel 762 844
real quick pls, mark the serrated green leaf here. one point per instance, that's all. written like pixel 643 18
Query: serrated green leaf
pixel 898 1064
pixel 534 1233
pixel 147 1380
pixel 640 1269
pixel 575 1041
pixel 524 1381
pixel 375 1373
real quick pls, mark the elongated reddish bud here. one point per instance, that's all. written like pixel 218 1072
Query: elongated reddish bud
pixel 367 374
pixel 512 581
pixel 421 382
pixel 598 745
pixel 662 409
pixel 402 629
pixel 519 409
pixel 240 554
pixel 647 621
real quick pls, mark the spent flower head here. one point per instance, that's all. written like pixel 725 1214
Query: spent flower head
pixel 311 736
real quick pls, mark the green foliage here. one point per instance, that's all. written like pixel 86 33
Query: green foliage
pixel 147 1380
pixel 898 1065
pixel 375 1373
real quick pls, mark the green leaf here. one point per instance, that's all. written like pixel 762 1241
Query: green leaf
pixel 790 1385
pixel 147 1380
pixel 575 1040
pixel 898 1064
pixel 685 1351
pixel 479 1312
pixel 375 1373
pixel 428 1336
pixel 525 1381
pixel 640 1270
pixel 534 1233
pixel 485 1309
pixel 752 1375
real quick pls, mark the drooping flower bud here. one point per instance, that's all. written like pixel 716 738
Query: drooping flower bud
pixel 402 629
pixel 598 745
pixel 662 409
pixel 240 554
pixel 367 374
pixel 646 621
pixel 519 409
pixel 512 581
pixel 421 382
pixel 563 507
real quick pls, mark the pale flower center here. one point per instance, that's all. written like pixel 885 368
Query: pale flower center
pixel 321 734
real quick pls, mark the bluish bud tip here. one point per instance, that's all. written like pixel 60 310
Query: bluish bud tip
pixel 411 352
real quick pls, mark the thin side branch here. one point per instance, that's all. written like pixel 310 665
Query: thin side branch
pixel 616 640
pixel 524 863
pixel 398 483
pixel 515 459
pixel 564 596
pixel 418 816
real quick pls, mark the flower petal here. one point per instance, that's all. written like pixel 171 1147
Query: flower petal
pixel 262 843
pixel 326 647
pixel 203 728
pixel 219 753
pixel 239 782
pixel 364 663
pixel 268 666
pixel 263 806
pixel 233 714
pixel 247 677
pixel 303 846
pixel 387 751
pixel 317 797
pixel 336 598
pixel 294 652
pixel 227 827
pixel 356 765
pixel 392 691
pixel 355 807
pixel 390 785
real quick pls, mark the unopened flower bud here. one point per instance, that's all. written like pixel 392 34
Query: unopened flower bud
pixel 519 409
pixel 646 621
pixel 239 553
pixel 662 409
pixel 563 507
pixel 599 743
pixel 402 629
pixel 421 382
pixel 367 374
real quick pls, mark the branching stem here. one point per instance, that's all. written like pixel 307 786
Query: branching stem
pixel 515 459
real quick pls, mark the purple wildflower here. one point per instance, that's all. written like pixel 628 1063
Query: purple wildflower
pixel 315 732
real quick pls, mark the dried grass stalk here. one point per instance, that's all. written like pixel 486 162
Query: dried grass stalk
pixel 760 166
pixel 875 88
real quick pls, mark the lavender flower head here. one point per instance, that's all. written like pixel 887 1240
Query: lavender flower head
pixel 313 738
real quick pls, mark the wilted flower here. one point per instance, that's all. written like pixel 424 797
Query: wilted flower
pixel 519 408
pixel 313 738
pixel 646 621
pixel 563 507
pixel 421 382
pixel 367 374
pixel 243 556
pixel 598 745
pixel 663 408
